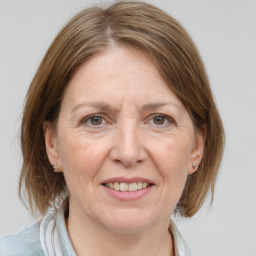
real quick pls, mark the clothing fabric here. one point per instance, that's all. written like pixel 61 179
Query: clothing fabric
pixel 49 237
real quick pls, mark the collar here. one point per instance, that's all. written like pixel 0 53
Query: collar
pixel 55 240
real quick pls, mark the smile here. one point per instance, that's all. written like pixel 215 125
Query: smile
pixel 124 187
pixel 128 189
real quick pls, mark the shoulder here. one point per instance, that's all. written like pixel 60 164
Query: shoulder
pixel 26 243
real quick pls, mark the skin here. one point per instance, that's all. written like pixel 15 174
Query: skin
pixel 126 139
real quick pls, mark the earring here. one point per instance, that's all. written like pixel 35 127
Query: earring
pixel 54 167
pixel 194 166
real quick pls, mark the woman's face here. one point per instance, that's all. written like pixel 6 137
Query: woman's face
pixel 121 128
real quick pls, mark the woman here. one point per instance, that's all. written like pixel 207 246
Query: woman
pixel 119 131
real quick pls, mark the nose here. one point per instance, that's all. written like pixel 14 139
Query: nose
pixel 128 147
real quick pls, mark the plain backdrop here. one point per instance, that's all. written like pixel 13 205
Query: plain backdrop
pixel 225 32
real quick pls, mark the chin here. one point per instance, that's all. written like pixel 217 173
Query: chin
pixel 129 227
pixel 129 222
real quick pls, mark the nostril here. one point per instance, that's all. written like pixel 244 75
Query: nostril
pixel 127 162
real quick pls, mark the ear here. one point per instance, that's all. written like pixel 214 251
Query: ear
pixel 51 145
pixel 198 149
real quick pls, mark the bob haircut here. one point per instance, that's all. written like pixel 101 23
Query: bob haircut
pixel 147 29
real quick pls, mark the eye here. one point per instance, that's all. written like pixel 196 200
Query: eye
pixel 93 120
pixel 161 120
pixel 96 120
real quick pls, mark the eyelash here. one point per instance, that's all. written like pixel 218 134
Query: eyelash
pixel 100 115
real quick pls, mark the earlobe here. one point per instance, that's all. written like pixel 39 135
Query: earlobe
pixel 198 149
pixel 51 145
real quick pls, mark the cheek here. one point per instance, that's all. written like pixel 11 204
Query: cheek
pixel 81 157
pixel 174 153
pixel 172 159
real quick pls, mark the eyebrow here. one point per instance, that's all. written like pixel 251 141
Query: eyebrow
pixel 95 104
pixel 156 105
pixel 106 107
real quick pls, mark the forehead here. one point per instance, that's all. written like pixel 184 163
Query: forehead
pixel 119 73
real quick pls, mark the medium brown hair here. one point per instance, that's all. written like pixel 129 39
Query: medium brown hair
pixel 131 24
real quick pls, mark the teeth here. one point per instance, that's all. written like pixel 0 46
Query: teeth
pixel 116 186
pixel 133 186
pixel 124 187
pixel 139 185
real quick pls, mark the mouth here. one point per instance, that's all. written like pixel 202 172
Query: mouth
pixel 127 187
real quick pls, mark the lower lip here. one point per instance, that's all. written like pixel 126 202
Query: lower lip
pixel 128 196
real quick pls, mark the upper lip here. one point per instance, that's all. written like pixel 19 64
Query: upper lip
pixel 128 180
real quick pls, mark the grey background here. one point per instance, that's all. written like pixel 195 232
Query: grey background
pixel 225 32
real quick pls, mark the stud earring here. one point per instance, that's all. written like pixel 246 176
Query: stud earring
pixel 54 167
pixel 194 165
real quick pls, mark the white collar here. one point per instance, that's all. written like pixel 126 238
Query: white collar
pixel 54 236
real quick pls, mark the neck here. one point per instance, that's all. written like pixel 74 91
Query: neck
pixel 90 238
